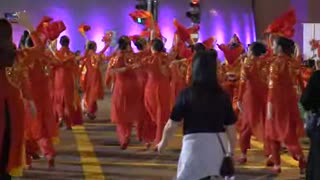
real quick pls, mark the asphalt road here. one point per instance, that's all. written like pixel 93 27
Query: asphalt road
pixel 92 152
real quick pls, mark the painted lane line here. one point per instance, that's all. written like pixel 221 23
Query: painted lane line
pixel 90 164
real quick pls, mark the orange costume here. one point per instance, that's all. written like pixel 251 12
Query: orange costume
pixel 231 68
pixel 65 74
pixel 178 82
pixel 253 98
pixel 285 125
pixel 146 128
pixel 42 129
pixel 124 100
pixel 157 90
pixel 13 80
pixel 92 82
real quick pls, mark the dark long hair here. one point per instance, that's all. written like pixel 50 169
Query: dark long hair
pixel 205 87
pixel 204 70
pixel 123 43
pixel 286 44
pixel 258 48
pixel 198 47
pixel 141 43
pixel 23 38
pixel 7 48
pixel 158 45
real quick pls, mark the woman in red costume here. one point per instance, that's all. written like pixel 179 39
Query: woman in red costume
pixel 12 80
pixel 157 89
pixel 146 128
pixel 123 107
pixel 42 129
pixel 231 69
pixel 253 99
pixel 65 74
pixel 93 84
pixel 283 123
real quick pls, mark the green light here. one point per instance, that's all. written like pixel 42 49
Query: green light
pixel 139 20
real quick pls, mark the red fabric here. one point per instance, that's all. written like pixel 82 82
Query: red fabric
pixel 285 125
pixel 12 97
pixel 157 91
pixel 178 82
pixel 230 51
pixel 44 125
pixel 284 25
pixel 124 132
pixel 107 38
pixel 93 84
pixel 140 14
pixel 253 95
pixel 306 74
pixel 55 29
pixel 189 70
pixel 208 43
pixel 84 28
pixel 64 91
pixel 51 30
pixel 134 38
pixel 182 31
pixel 293 147
pixel 76 115
pixel 124 101
pixel 193 29
pixel 146 128
pixel 47 148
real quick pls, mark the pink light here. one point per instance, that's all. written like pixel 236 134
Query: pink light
pixel 247 28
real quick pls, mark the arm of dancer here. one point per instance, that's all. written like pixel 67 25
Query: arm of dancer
pixel 114 66
pixel 273 77
pixel 243 79
pixel 177 61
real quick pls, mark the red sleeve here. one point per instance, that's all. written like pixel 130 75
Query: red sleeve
pixel 243 80
pixel 273 77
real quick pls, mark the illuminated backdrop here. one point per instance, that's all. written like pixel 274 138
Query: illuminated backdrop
pixel 220 18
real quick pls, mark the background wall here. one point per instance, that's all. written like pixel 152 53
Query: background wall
pixel 307 12
pixel 220 18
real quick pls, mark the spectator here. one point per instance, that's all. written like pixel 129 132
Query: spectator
pixel 208 115
pixel 310 101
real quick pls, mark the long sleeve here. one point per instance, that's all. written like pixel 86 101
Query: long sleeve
pixel 273 78
pixel 35 36
pixel 243 80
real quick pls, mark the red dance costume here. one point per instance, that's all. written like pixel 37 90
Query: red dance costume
pixel 124 100
pixel 92 82
pixel 178 82
pixel 253 98
pixel 65 74
pixel 157 91
pixel 14 86
pixel 231 68
pixel 146 128
pixel 43 128
pixel 285 126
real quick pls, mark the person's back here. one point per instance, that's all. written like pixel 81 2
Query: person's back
pixel 207 116
pixel 205 111
pixel 310 101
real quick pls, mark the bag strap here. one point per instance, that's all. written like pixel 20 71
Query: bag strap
pixel 221 144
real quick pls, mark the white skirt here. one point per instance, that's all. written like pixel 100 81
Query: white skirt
pixel 201 156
